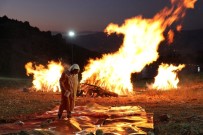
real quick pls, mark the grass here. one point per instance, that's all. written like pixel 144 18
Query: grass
pixel 7 82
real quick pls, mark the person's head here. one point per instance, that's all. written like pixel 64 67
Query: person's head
pixel 74 69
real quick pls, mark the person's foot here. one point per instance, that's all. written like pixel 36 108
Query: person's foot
pixel 59 116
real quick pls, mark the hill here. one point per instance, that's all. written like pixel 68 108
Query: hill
pixel 186 48
pixel 21 43
pixel 98 41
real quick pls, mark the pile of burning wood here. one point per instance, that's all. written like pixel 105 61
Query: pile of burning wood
pixel 90 90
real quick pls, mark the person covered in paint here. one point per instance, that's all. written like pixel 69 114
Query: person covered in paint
pixel 69 85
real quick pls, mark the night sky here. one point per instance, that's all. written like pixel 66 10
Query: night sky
pixel 89 15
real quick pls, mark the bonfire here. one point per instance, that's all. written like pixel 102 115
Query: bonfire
pixel 142 37
pixel 112 72
pixel 45 78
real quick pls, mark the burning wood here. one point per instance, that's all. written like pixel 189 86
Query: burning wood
pixel 45 78
pixel 167 77
pixel 94 91
pixel 142 37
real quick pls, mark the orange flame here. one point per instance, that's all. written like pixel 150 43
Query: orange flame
pixel 170 36
pixel 179 27
pixel 45 78
pixel 140 44
pixel 167 77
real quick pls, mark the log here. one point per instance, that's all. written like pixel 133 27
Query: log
pixel 95 91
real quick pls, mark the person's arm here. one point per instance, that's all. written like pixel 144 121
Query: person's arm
pixel 68 86
pixel 62 81
pixel 64 85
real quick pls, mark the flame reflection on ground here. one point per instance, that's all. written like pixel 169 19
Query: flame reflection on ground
pixel 121 120
pixel 112 120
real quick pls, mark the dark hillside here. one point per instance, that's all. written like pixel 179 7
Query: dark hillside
pixel 99 41
pixel 21 43
pixel 186 48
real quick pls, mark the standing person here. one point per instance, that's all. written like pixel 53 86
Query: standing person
pixel 69 85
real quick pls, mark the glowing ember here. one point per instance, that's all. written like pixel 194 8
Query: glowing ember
pixel 45 78
pixel 167 77
pixel 141 40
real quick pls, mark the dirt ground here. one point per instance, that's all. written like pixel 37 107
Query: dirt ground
pixel 176 112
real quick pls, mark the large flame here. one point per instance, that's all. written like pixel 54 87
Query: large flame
pixel 45 78
pixel 140 44
pixel 167 77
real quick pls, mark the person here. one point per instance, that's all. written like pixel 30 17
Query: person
pixel 69 86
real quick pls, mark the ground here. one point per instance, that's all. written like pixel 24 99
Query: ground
pixel 175 112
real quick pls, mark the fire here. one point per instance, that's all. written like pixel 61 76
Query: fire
pixel 45 78
pixel 140 44
pixel 179 27
pixel 170 36
pixel 167 77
